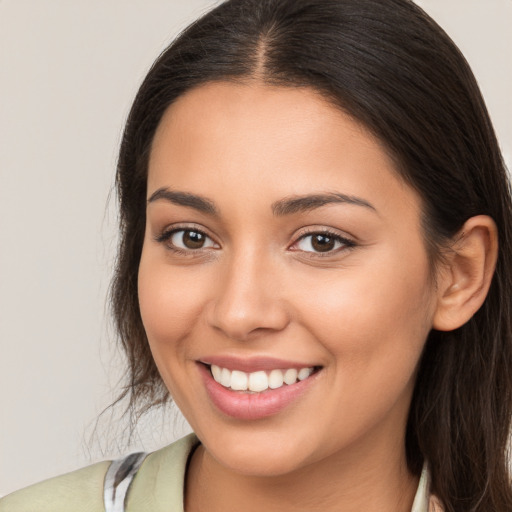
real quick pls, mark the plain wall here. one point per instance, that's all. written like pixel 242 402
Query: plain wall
pixel 68 73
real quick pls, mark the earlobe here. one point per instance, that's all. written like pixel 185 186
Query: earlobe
pixel 467 272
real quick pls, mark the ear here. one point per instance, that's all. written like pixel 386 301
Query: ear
pixel 466 273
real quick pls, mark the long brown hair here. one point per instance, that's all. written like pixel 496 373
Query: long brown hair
pixel 390 66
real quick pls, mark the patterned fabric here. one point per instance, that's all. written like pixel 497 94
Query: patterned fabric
pixel 118 479
pixel 122 471
pixel 158 487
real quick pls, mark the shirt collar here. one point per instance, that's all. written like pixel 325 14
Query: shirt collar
pixel 422 498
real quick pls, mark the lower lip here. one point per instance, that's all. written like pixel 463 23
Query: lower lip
pixel 253 406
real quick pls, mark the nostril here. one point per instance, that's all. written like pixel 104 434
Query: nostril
pixel 243 311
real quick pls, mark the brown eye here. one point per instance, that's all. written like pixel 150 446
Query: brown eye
pixel 322 243
pixel 193 239
pixel 189 239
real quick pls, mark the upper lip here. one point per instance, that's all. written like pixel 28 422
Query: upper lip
pixel 253 363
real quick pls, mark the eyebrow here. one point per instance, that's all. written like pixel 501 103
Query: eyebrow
pixel 185 199
pixel 296 204
pixel 283 207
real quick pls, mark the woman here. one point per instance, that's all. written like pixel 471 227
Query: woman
pixel 311 199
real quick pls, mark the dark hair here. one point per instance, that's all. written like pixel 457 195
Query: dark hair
pixel 390 66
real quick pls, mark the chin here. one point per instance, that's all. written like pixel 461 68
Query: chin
pixel 263 456
pixel 260 465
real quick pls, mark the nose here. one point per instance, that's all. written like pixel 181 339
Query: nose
pixel 248 299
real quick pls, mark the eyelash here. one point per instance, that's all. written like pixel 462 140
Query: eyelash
pixel 165 237
pixel 346 243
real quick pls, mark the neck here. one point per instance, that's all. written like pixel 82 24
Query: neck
pixel 373 479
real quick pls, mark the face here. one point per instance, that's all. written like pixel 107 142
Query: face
pixel 284 254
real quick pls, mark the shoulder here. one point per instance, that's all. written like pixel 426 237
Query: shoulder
pixel 158 486
pixel 158 483
pixel 80 491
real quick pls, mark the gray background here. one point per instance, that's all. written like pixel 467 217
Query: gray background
pixel 68 72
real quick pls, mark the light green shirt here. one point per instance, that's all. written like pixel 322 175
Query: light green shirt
pixel 158 487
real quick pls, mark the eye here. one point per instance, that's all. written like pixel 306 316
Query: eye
pixel 187 239
pixel 322 242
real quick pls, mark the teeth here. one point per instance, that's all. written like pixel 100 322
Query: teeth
pixel 216 372
pixel 258 381
pixel 225 378
pixel 275 379
pixel 239 380
pixel 304 373
pixel 290 376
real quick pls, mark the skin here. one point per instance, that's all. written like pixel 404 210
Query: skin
pixel 258 288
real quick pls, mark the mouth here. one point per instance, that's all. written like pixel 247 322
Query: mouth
pixel 258 394
pixel 260 381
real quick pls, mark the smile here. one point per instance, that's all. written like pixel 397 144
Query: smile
pixel 259 381
pixel 254 390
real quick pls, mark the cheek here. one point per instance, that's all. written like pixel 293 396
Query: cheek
pixel 170 302
pixel 374 328
pixel 374 319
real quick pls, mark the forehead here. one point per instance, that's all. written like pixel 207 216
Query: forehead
pixel 269 142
